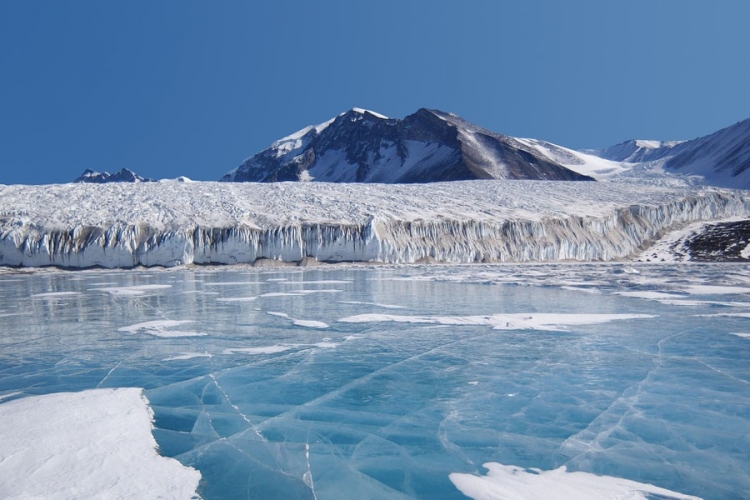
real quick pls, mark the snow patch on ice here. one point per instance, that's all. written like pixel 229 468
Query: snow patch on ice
pixel 158 328
pixel 508 482
pixel 273 349
pixel 188 355
pixel 697 303
pixel 716 290
pixel 51 295
pixel 131 290
pixel 650 295
pixel 384 306
pixel 592 291
pixel 235 283
pixel 516 321
pixel 236 299
pixel 90 444
pixel 300 322
pixel 726 315
pixel 282 294
pixel 306 323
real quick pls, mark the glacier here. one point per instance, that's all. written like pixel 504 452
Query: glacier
pixel 169 223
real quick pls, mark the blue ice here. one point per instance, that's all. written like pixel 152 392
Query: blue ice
pixel 257 379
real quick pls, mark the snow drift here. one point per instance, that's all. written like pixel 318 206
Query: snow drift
pixel 167 224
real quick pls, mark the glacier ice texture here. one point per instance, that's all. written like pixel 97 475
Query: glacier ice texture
pixel 168 224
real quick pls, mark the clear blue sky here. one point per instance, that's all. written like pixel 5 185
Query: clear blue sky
pixel 180 87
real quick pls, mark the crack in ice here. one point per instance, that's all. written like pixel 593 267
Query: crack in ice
pixel 629 398
pixel 253 427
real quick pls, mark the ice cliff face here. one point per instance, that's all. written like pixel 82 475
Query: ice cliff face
pixel 166 224
pixel 427 146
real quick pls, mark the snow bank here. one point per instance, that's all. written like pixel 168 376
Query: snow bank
pixel 166 224
pixel 507 482
pixel 91 444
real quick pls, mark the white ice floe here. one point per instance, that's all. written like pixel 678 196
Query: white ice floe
pixel 384 306
pixel 697 303
pixel 278 314
pixel 508 482
pixel 592 291
pixel 131 290
pixel 300 322
pixel 273 349
pixel 307 323
pixel 91 444
pixel 320 282
pixel 652 295
pixel 716 290
pixel 516 321
pixel 158 328
pixel 236 299
pixel 188 355
pixel 235 283
pixel 53 295
pixel 168 224
pixel 282 294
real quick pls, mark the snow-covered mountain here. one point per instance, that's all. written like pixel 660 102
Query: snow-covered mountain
pixel 635 151
pixel 721 158
pixel 434 146
pixel 122 175
pixel 427 146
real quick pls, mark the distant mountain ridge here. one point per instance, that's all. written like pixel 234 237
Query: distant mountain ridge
pixel 427 146
pixel 122 175
pixel 721 158
pixel 434 146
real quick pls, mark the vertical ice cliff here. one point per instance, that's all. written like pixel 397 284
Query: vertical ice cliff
pixel 480 221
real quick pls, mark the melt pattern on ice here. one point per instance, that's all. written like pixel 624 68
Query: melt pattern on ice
pixel 167 224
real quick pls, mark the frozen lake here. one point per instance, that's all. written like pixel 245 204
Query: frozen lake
pixel 402 382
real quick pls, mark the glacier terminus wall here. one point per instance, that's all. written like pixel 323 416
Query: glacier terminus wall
pixel 170 223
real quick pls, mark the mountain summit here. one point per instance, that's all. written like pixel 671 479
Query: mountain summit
pixel 122 175
pixel 427 146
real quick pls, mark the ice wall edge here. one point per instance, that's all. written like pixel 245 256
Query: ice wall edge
pixel 614 235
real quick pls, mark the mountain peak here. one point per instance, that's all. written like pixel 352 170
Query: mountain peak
pixel 122 175
pixel 362 111
pixel 427 146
